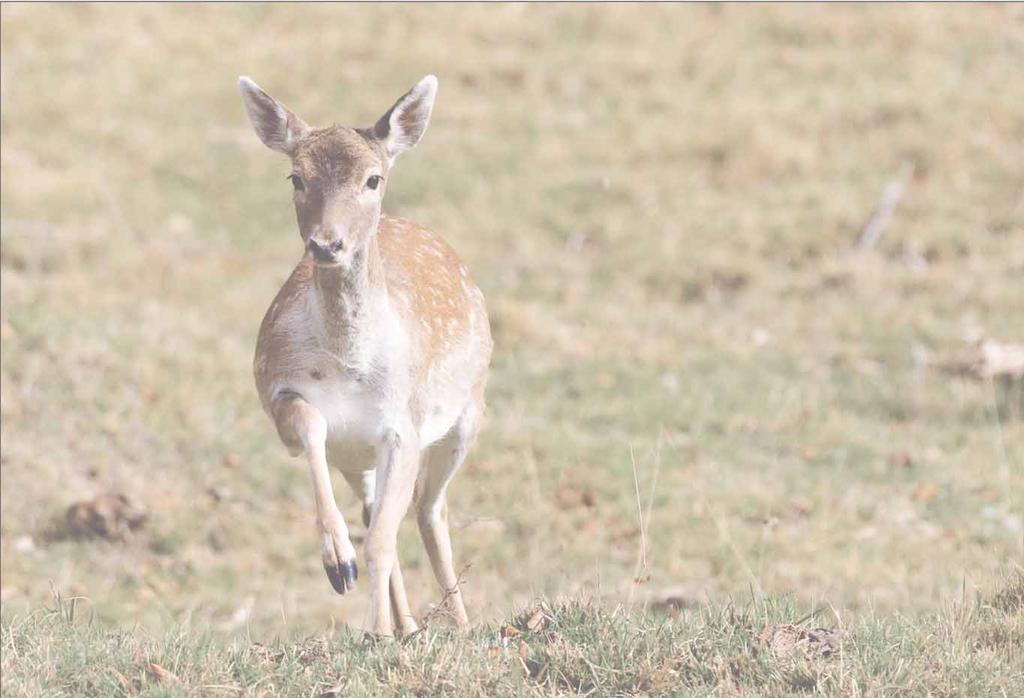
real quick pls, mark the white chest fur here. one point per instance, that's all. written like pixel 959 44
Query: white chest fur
pixel 338 369
pixel 357 381
pixel 353 410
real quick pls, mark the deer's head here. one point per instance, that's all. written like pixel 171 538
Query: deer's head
pixel 338 173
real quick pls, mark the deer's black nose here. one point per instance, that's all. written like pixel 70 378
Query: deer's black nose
pixel 324 252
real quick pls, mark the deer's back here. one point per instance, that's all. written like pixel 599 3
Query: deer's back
pixel 430 286
pixel 444 313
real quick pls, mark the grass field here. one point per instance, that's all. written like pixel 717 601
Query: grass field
pixel 577 646
pixel 660 204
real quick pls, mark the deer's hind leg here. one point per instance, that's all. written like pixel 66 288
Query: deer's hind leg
pixel 303 430
pixel 364 484
pixel 441 462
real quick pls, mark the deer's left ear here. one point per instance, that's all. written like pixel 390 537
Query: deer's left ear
pixel 403 125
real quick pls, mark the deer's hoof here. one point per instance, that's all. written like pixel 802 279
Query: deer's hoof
pixel 343 576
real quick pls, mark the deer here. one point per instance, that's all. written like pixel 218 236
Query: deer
pixel 373 357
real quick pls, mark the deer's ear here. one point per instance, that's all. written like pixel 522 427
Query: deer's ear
pixel 277 127
pixel 403 125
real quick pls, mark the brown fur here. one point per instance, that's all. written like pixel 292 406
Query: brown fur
pixel 421 267
pixel 334 154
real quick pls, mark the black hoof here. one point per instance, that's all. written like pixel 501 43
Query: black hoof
pixel 343 576
pixel 350 571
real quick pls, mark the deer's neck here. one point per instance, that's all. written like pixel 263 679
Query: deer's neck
pixel 348 296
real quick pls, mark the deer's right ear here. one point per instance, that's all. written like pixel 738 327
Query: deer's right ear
pixel 277 127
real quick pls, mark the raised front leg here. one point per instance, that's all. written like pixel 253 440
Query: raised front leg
pixel 303 430
pixel 397 465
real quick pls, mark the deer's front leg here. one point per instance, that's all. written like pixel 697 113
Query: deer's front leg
pixel 304 430
pixel 397 466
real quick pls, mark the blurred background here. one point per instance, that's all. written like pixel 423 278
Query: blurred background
pixel 755 272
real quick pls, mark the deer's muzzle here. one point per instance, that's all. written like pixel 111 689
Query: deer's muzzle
pixel 324 252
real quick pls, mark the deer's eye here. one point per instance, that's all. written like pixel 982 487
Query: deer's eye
pixel 297 182
pixel 374 181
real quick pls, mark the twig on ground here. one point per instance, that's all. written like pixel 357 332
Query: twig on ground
pixel 441 609
pixel 882 215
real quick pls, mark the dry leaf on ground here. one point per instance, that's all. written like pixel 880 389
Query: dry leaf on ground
pixel 510 631
pixel 784 640
pixel 537 620
pixel 110 515
pixel 161 674
pixel 925 492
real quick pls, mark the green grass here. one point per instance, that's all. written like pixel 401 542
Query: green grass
pixel 660 204
pixel 973 648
